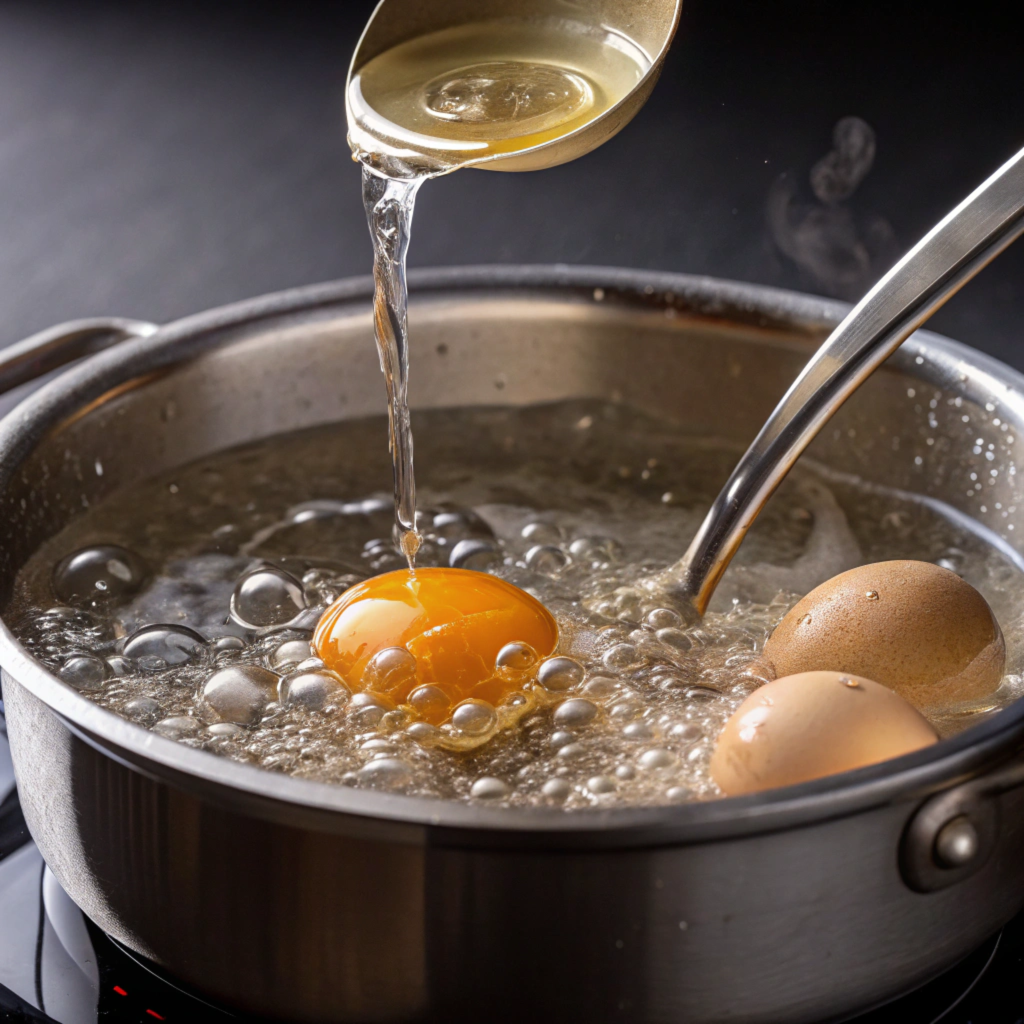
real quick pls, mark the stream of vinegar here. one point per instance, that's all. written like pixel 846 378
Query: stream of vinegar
pixel 446 100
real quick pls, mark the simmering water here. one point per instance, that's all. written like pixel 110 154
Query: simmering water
pixel 445 100
pixel 227 564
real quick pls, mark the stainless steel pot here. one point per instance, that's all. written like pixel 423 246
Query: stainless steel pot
pixel 318 903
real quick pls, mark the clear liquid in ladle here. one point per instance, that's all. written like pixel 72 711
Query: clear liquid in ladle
pixel 447 100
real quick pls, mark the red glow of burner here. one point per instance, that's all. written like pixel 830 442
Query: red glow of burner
pixel 153 1013
pixel 120 991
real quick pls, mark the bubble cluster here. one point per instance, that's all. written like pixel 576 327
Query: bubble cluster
pixel 202 629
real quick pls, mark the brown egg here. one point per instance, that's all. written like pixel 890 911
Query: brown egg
pixel 912 626
pixel 813 724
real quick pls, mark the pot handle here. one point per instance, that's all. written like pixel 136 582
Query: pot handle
pixel 953 833
pixel 64 343
pixel 57 346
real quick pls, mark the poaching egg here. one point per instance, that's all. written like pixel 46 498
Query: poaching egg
pixel 912 626
pixel 812 724
pixel 433 637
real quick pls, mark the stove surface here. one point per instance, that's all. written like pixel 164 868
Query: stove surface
pixel 57 966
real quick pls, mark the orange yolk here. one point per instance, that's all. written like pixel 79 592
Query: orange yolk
pixel 453 623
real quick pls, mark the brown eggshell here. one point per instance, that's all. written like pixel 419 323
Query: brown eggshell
pixel 812 724
pixel 912 626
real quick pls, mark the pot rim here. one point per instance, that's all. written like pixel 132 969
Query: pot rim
pixel 283 797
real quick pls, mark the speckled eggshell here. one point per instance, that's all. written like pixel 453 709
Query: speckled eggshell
pixel 813 724
pixel 912 626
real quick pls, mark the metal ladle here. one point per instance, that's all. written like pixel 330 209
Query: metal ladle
pixel 963 242
pixel 650 24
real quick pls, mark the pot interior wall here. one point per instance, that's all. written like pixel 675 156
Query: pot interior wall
pixel 920 424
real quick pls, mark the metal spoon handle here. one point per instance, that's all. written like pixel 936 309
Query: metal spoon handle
pixel 963 242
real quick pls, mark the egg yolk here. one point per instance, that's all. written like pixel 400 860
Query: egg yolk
pixel 439 628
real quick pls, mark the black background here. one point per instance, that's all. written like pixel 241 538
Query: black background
pixel 160 158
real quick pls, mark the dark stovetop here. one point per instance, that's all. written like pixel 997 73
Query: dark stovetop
pixel 55 965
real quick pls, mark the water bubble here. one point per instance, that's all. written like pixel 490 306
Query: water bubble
pixel 239 693
pixel 679 795
pixel 664 618
pixel 560 673
pixel 685 732
pixel 600 686
pixel 144 710
pixel 228 645
pixel 561 737
pixel 871 595
pixel 638 731
pixel 459 524
pixel 670 681
pixel 625 772
pixel 620 656
pixel 267 596
pixel 541 533
pixel 393 720
pixel 546 559
pixel 627 606
pixel 291 652
pixel 312 690
pixel 377 747
pixel 658 757
pixel 178 727
pixel 600 785
pixel 597 551
pixel 488 788
pixel 390 669
pixel 515 657
pixel 386 773
pixel 556 790
pixel 424 733
pixel 102 574
pixel 474 717
pixel 368 709
pixel 572 750
pixel 431 703
pixel 674 638
pixel 480 555
pixel 626 710
pixel 226 730
pixel 575 712
pixel 84 671
pixel 159 646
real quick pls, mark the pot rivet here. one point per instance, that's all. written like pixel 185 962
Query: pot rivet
pixel 957 843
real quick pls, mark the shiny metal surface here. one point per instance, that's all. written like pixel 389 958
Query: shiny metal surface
pixel 651 24
pixel 62 344
pixel 959 246
pixel 788 905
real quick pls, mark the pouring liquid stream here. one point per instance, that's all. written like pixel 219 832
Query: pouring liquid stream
pixel 446 100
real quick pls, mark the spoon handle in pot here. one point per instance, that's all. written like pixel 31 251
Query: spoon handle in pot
pixel 959 246
pixel 62 344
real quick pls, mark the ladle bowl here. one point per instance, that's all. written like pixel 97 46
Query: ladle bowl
pixel 650 24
